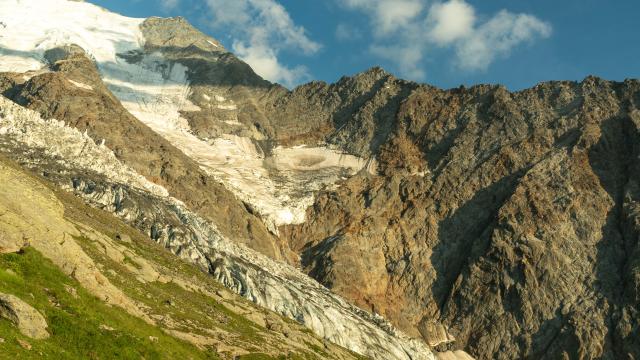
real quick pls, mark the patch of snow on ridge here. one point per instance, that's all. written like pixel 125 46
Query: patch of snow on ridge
pixel 81 85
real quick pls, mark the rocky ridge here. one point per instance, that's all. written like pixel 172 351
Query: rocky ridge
pixel 514 211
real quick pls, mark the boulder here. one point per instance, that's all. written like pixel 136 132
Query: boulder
pixel 28 320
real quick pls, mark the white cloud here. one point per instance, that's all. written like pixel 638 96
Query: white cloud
pixel 498 37
pixel 450 21
pixel 394 15
pixel 262 29
pixel 169 4
pixel 404 32
pixel 264 61
pixel 388 16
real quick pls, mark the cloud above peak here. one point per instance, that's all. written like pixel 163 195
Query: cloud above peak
pixel 497 37
pixel 169 4
pixel 263 29
pixel 450 21
pixel 405 31
pixel 387 16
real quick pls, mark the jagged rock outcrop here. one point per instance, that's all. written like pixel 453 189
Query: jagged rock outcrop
pixel 24 316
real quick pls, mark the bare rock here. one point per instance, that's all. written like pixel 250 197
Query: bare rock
pixel 11 242
pixel 23 344
pixel 453 355
pixel 434 333
pixel 106 327
pixel 28 320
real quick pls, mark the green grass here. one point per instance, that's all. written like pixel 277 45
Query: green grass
pixel 259 356
pixel 75 322
pixel 187 307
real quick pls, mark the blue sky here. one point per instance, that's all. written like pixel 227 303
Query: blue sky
pixel 445 43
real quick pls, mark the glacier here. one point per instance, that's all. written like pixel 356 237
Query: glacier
pixel 155 91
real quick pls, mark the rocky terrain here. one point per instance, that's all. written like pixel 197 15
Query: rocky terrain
pixel 508 218
pixel 478 219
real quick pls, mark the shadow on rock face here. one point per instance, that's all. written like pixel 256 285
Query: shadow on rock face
pixel 614 159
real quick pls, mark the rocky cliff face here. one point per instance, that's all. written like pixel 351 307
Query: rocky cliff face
pixel 473 218
pixel 506 217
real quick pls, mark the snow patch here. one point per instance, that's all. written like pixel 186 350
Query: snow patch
pixel 34 26
pixel 81 85
pixel 306 159
pixel 227 107
pixel 18 64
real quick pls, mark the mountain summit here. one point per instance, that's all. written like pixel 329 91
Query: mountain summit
pixel 394 220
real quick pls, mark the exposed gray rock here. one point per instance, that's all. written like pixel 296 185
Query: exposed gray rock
pixel 28 320
pixel 62 53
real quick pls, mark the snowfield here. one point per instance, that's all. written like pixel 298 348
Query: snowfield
pixel 156 95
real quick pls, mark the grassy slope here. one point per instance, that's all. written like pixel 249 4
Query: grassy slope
pixel 75 321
